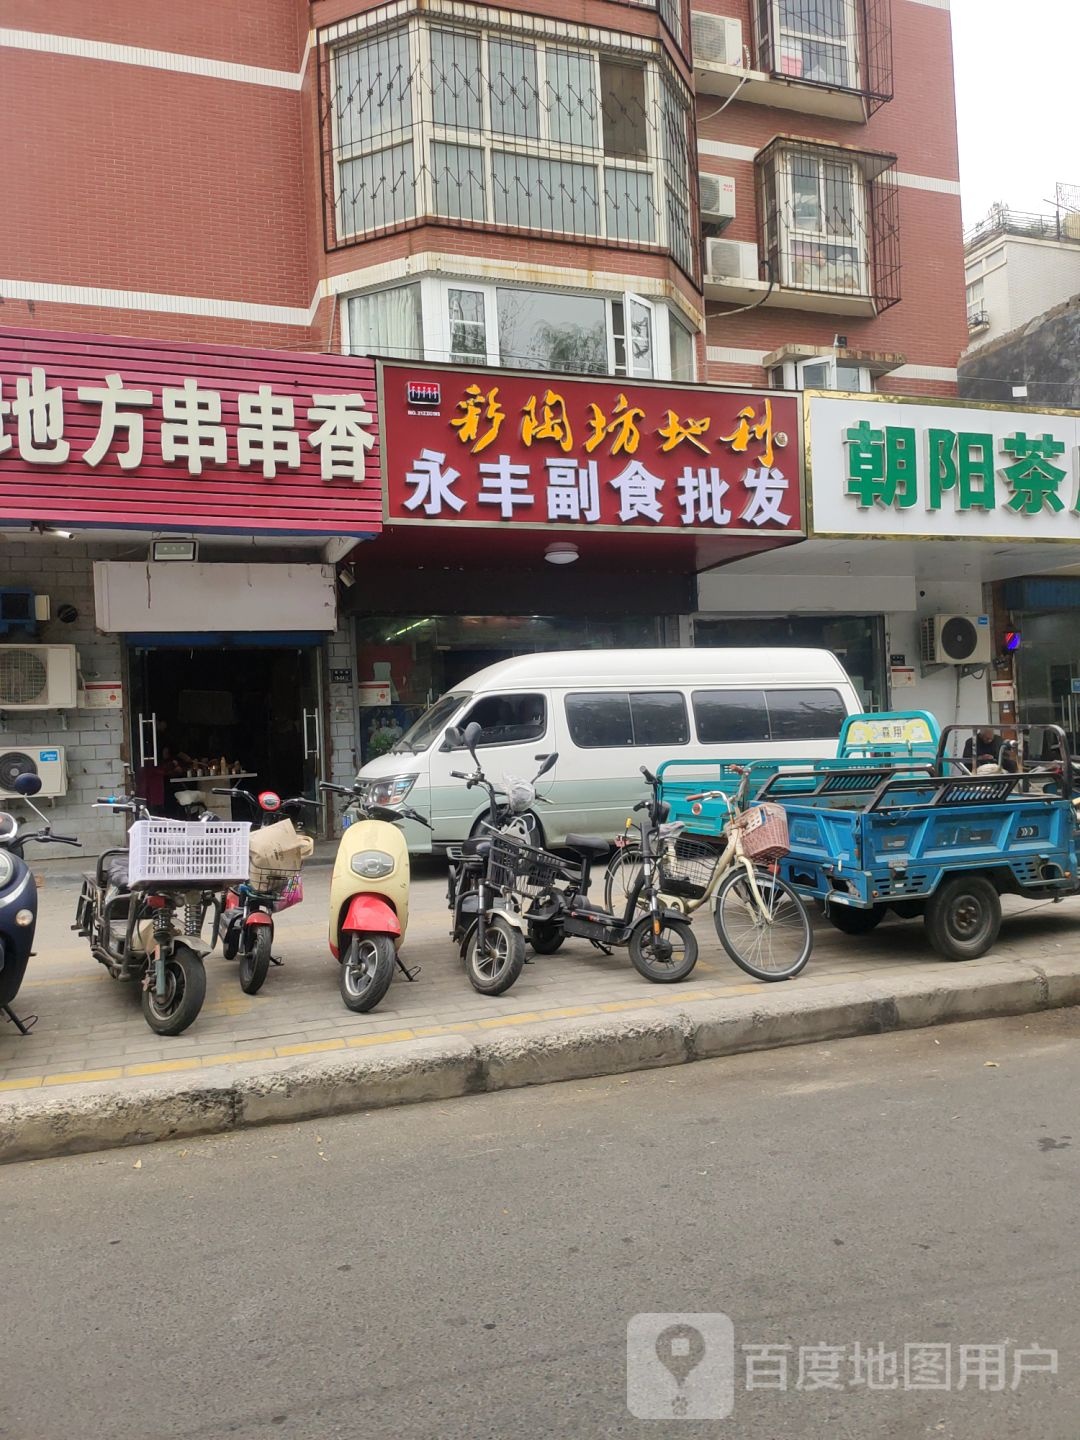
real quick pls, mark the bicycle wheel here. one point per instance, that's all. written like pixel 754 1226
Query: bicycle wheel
pixel 771 941
pixel 622 876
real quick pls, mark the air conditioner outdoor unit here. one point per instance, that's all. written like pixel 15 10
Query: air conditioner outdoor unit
pixel 956 640
pixel 717 40
pixel 38 677
pixel 50 764
pixel 717 198
pixel 731 260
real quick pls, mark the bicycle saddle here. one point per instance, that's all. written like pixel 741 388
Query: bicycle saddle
pixel 588 844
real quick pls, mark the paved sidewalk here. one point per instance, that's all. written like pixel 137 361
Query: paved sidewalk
pixel 90 1028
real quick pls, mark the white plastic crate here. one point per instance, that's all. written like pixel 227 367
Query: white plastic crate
pixel 177 851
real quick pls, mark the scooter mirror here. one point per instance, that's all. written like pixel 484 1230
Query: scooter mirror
pixel 454 739
pixel 549 764
pixel 472 733
pixel 26 785
pixel 269 800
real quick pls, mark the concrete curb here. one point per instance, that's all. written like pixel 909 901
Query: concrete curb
pixel 74 1119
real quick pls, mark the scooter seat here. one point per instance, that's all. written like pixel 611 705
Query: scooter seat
pixel 475 846
pixel 116 871
pixel 588 844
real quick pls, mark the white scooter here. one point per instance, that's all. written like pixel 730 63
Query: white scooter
pixel 369 897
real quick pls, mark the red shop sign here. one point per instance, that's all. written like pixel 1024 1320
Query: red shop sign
pixel 107 432
pixel 492 449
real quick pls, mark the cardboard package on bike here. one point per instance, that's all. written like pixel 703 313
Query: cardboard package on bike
pixel 276 850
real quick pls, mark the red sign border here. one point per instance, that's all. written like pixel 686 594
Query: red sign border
pixel 690 533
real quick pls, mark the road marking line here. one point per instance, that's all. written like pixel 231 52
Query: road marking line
pixel 387 1037
pixel 237 1056
pixel 163 1067
pixel 76 1077
pixel 569 1012
pixel 524 1017
pixel 310 1047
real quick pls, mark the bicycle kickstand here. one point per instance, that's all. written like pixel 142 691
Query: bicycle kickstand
pixel 23 1026
pixel 409 974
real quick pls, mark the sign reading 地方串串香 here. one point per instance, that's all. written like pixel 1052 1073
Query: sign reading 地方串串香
pixel 103 431
pixel 490 449
pixel 913 468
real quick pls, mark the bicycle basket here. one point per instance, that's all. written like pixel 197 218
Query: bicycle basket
pixel 687 866
pixel 764 832
pixel 284 887
pixel 173 852
pixel 521 869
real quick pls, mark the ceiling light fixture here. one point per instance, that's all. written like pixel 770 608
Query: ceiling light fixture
pixel 561 553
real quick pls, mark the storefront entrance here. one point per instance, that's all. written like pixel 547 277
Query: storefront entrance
pixel 254 707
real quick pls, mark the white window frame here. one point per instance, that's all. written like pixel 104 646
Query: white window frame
pixel 436 327
pixel 975 306
pixel 789 233
pixel 794 373
pixel 849 45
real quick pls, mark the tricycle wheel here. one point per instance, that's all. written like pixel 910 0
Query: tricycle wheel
pixel 853 921
pixel 908 909
pixel 185 990
pixel 545 939
pixel 963 917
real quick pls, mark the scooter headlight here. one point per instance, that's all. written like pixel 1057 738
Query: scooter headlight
pixel 7 868
pixel 372 864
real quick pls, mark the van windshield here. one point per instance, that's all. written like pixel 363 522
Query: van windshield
pixel 431 724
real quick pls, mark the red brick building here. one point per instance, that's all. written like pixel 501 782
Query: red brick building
pixel 747 193
pixel 236 172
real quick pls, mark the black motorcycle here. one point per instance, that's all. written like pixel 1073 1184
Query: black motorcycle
pixel 18 898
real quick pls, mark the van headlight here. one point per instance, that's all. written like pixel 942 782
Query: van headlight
pixel 391 791
pixel 372 864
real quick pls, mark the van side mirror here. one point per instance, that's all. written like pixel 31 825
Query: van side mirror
pixel 453 739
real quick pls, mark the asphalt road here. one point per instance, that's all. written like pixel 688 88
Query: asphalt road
pixel 470 1269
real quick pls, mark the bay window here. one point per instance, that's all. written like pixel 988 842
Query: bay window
pixel 472 323
pixel 830 221
pixel 517 129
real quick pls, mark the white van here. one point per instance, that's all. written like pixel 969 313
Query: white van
pixel 606 713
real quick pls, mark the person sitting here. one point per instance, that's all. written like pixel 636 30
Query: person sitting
pixel 986 747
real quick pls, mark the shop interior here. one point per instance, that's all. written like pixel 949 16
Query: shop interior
pixel 858 642
pixel 406 662
pixel 244 717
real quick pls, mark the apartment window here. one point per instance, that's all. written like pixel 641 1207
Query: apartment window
pixel 976 303
pixel 811 40
pixel 475 323
pixel 682 350
pixel 830 221
pixel 387 322
pixel 822 372
pixel 519 131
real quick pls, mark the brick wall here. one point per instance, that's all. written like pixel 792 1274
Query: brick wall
pixel 92 739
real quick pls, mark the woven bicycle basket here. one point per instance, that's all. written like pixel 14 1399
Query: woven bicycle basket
pixel 764 831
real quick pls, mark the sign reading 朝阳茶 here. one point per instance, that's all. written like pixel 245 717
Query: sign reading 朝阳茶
pixel 900 468
pixel 493 449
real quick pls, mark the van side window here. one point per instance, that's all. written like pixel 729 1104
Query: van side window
pixel 731 717
pixel 659 717
pixel 509 719
pixel 805 714
pixel 609 719
pixel 597 721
